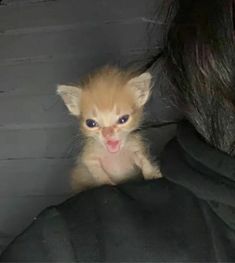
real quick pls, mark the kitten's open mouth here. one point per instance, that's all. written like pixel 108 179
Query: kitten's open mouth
pixel 113 146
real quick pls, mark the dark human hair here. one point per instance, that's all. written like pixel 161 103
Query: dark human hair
pixel 198 59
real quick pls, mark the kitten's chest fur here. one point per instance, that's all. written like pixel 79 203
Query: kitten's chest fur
pixel 119 164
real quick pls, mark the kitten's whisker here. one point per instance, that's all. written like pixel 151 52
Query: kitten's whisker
pixel 73 145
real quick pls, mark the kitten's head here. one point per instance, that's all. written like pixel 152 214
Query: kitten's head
pixel 109 105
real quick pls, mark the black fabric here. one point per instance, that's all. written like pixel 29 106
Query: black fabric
pixel 187 216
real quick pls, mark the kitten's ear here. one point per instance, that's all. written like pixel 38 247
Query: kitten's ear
pixel 71 97
pixel 141 86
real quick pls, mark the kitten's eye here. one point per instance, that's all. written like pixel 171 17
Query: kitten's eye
pixel 91 123
pixel 123 119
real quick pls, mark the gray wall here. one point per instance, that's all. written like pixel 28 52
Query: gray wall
pixel 43 43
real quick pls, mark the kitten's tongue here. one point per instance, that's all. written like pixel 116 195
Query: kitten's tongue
pixel 113 146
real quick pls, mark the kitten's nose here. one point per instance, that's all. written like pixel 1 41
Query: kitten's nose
pixel 107 132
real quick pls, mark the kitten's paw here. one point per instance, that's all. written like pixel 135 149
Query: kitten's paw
pixel 154 173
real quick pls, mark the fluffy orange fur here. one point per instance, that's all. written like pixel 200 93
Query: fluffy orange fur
pixel 109 105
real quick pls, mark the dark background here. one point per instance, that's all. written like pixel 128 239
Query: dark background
pixel 42 44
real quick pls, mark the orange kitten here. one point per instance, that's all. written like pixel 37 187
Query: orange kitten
pixel 109 105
